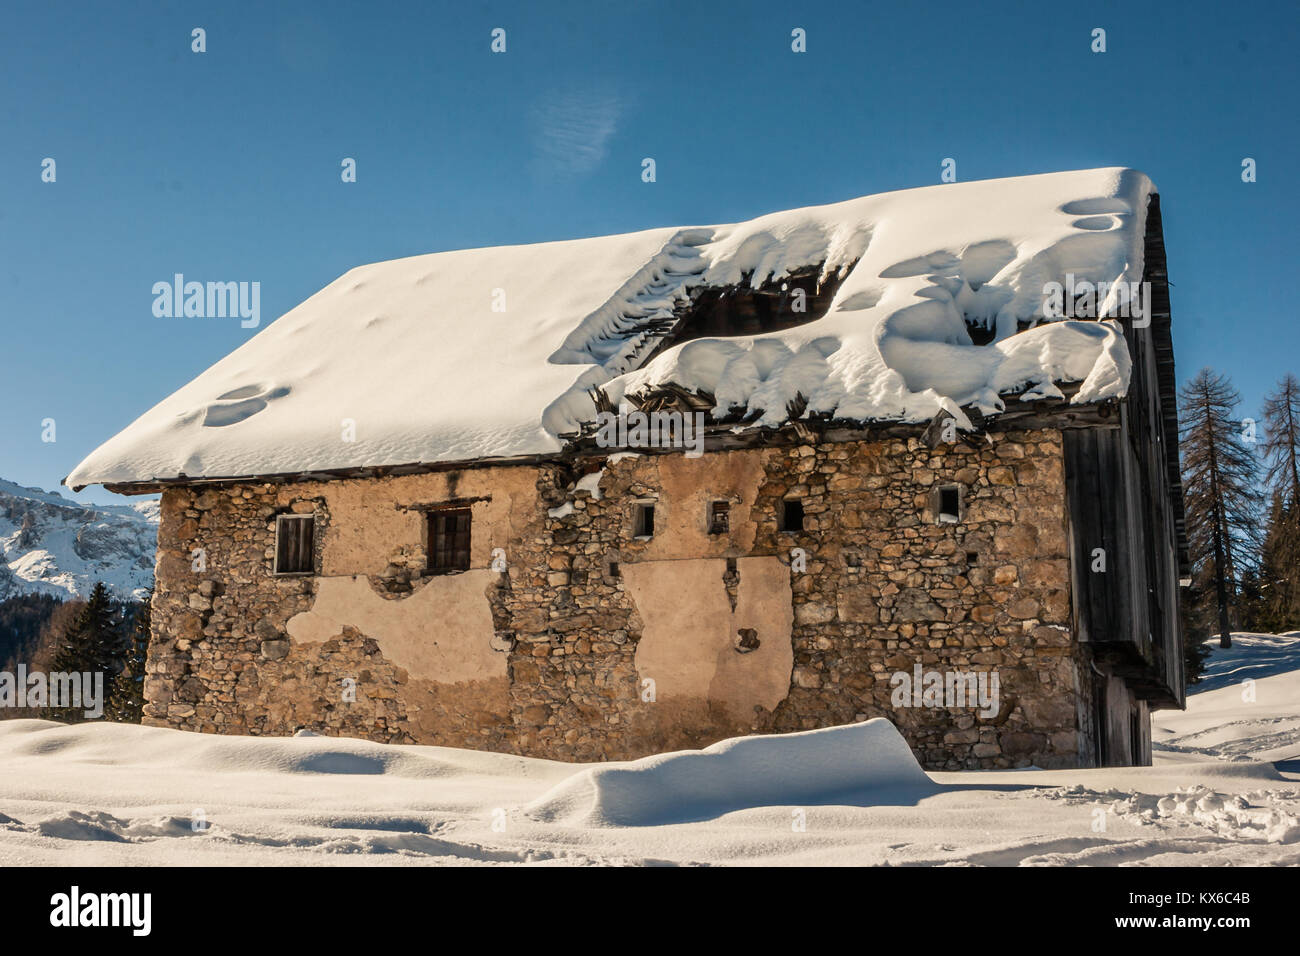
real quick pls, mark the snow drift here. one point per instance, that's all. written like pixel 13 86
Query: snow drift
pixel 868 761
pixel 491 353
pixel 1224 793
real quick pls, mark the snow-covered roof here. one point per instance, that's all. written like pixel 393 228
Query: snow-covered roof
pixel 488 353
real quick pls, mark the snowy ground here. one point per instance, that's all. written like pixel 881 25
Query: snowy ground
pixel 1225 790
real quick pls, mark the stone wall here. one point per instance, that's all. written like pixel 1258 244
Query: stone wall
pixel 572 638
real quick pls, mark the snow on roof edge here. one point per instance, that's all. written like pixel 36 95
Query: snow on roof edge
pixel 890 347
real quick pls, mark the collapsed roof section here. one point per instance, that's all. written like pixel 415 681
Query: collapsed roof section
pixel 886 308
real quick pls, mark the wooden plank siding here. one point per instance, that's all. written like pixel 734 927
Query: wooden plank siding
pixel 1125 497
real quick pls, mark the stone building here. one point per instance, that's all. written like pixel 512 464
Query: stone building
pixel 915 491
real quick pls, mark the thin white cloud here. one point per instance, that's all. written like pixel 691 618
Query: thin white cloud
pixel 572 130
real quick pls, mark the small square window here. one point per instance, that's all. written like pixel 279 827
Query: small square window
pixel 644 519
pixel 949 505
pixel 294 536
pixel 720 517
pixel 792 515
pixel 449 536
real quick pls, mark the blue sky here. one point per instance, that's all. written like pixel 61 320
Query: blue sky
pixel 225 165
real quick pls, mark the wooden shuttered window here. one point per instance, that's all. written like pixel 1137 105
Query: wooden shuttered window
pixel 449 539
pixel 720 517
pixel 293 544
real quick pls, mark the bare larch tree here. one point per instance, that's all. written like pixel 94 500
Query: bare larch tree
pixel 1220 472
pixel 1281 451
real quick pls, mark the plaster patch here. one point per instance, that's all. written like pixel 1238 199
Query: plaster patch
pixel 689 630
pixel 443 632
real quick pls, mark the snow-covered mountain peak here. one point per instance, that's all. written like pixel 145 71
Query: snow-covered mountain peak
pixel 50 544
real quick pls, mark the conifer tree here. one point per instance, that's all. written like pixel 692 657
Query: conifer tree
pixel 1195 653
pixel 126 704
pixel 93 643
pixel 1280 573
pixel 1219 482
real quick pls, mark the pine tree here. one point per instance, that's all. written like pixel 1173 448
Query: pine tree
pixel 1195 653
pixel 93 643
pixel 22 618
pixel 1252 605
pixel 1219 482
pixel 1281 553
pixel 126 704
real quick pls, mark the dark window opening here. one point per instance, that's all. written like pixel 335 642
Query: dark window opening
pixel 613 569
pixel 981 332
pixel 972 557
pixel 449 536
pixel 645 520
pixel 294 536
pixel 950 504
pixel 779 303
pixel 720 517
pixel 792 515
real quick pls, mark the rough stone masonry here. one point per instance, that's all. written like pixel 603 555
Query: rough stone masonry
pixel 573 636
